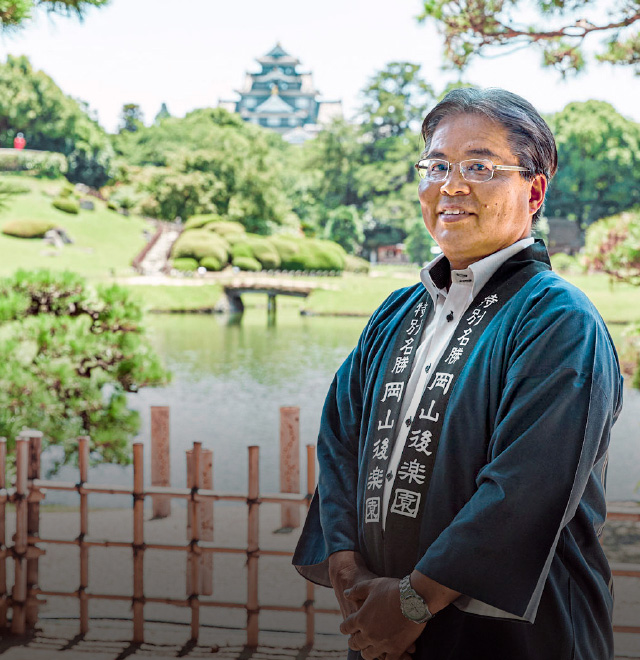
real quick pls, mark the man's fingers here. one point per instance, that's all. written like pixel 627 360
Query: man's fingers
pixel 349 626
pixel 359 591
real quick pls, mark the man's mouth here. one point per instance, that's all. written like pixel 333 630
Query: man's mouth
pixel 453 214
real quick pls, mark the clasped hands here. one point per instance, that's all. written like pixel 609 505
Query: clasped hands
pixel 371 609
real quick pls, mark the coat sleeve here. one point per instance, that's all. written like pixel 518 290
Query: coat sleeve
pixel 561 394
pixel 331 524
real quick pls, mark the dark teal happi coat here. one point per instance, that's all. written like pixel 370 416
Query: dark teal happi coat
pixel 516 502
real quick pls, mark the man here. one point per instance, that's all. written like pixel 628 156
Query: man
pixel 463 443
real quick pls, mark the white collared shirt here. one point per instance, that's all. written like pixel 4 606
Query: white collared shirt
pixel 448 308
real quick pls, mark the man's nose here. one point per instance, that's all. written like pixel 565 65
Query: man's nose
pixel 454 184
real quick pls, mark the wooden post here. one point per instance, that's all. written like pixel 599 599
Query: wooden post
pixel 138 543
pixel 83 464
pixel 205 533
pixel 33 525
pixel 253 535
pixel 290 463
pixel 19 593
pixel 194 550
pixel 160 459
pixel 3 533
pixel 309 603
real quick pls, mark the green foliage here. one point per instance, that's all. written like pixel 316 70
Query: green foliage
pixel 163 113
pixel 630 354
pixel 69 355
pixel 187 264
pixel 316 254
pixel 125 197
pixel 31 103
pixel 66 204
pixel 200 243
pixel 27 228
pixel 46 164
pixel 419 243
pixel 559 30
pixel 241 249
pixel 356 264
pixel 209 162
pixel 131 118
pixel 201 220
pixel 247 263
pixel 612 245
pixel 345 228
pixel 565 263
pixel 598 163
pixel 226 228
pixel 211 263
pixel 264 251
pixel 286 246
pixel 14 12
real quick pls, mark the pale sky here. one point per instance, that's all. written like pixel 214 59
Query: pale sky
pixel 191 53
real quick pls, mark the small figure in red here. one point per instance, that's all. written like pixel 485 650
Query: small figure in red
pixel 19 141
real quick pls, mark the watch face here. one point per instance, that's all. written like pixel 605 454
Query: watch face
pixel 414 608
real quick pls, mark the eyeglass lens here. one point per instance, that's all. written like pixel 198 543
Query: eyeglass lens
pixel 475 170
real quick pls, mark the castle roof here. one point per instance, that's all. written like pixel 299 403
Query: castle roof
pixel 278 55
pixel 274 104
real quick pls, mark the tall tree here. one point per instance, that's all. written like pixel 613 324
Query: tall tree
pixel 131 118
pixel 598 163
pixel 163 113
pixel 13 13
pixel 560 28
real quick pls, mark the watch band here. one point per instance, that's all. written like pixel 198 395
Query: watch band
pixel 412 604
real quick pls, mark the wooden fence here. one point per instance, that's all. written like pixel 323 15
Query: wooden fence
pixel 29 491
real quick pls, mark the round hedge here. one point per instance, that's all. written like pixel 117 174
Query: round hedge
pixel 356 264
pixel 185 263
pixel 247 263
pixel 264 251
pixel 241 249
pixel 226 227
pixel 286 246
pixel 315 254
pixel 201 220
pixel 211 263
pixel 67 205
pixel 27 228
pixel 200 243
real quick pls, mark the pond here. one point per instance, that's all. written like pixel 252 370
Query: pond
pixel 229 382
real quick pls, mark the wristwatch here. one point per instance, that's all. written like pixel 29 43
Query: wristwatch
pixel 412 604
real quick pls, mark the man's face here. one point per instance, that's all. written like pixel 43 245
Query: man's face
pixel 495 213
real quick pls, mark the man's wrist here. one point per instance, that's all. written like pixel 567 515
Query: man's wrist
pixel 434 594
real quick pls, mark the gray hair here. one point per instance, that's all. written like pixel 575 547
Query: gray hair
pixel 530 139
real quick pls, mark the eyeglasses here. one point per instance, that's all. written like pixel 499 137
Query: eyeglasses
pixel 475 170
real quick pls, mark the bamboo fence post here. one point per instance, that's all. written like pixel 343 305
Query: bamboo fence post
pixel 138 543
pixel 19 594
pixel 160 459
pixel 33 524
pixel 3 533
pixel 194 550
pixel 253 533
pixel 290 463
pixel 83 464
pixel 205 533
pixel 309 603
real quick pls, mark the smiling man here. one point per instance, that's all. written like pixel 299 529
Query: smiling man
pixel 463 443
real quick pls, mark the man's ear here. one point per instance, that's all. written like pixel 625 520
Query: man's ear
pixel 537 192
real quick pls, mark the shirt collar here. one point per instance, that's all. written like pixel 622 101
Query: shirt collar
pixel 435 275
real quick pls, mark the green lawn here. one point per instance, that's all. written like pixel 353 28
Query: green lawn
pixel 177 298
pixel 104 242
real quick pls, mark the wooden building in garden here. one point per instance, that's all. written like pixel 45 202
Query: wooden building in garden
pixel 283 98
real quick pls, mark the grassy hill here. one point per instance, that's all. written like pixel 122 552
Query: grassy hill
pixel 104 241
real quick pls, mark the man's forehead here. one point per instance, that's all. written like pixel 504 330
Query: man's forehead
pixel 473 136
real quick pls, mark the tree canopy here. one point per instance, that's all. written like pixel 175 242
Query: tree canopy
pixel 598 163
pixel 13 13
pixel 31 103
pixel 559 28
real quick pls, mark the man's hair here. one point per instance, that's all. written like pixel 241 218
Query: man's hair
pixel 530 139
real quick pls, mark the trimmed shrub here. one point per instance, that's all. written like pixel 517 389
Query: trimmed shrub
pixel 264 251
pixel 316 254
pixel 46 164
pixel 356 264
pixel 185 264
pixel 66 205
pixel 564 263
pixel 201 220
pixel 66 192
pixel 241 249
pixel 200 243
pixel 247 263
pixel 27 228
pixel 232 239
pixel 286 246
pixel 211 263
pixel 226 227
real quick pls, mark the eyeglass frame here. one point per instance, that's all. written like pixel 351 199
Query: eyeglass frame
pixel 495 168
